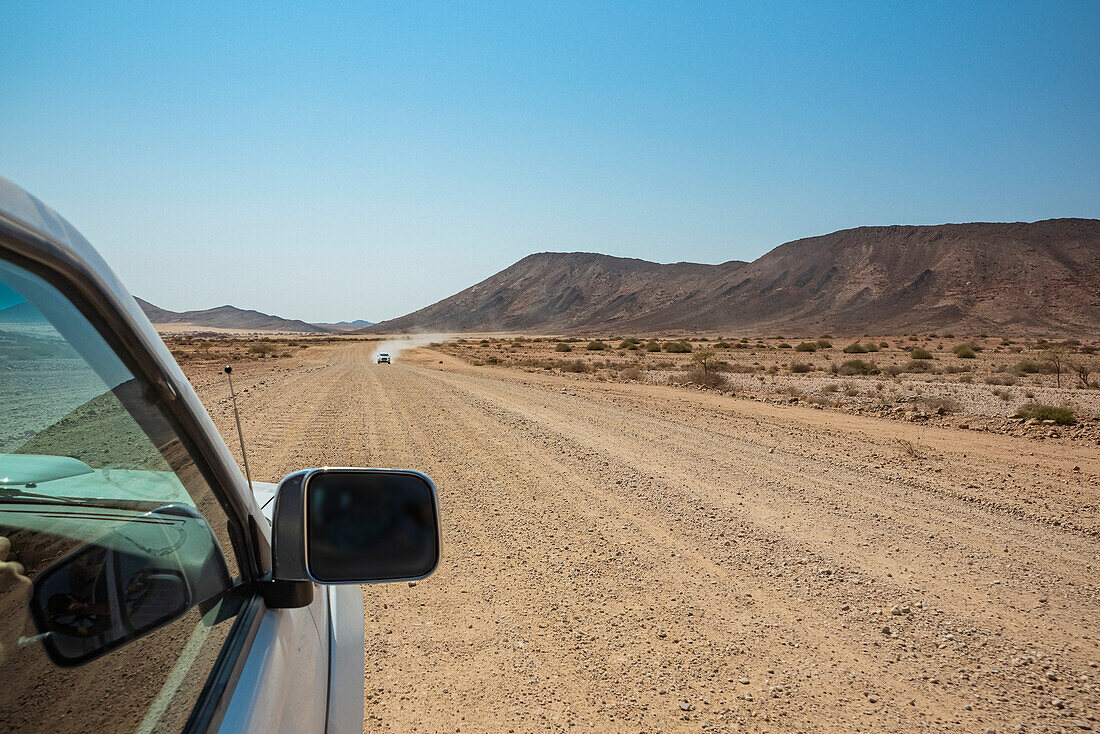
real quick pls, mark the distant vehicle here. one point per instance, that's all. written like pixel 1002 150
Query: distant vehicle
pixel 145 586
pixel 384 358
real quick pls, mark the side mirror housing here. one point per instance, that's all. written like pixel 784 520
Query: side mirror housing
pixel 355 526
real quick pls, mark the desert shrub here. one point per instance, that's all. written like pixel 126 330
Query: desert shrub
pixel 1027 367
pixel 629 343
pixel 1000 380
pixel 870 347
pixel 741 345
pixel 563 347
pixel 680 347
pixel 633 372
pixel 262 348
pixel 919 353
pixel 722 345
pixel 699 377
pixel 941 404
pixel 653 346
pixel 964 351
pixel 784 345
pixel 893 370
pixel 1002 393
pixel 1060 415
pixel 857 367
pixel 967 378
pixel 576 365
pixel 806 347
pixel 596 346
pixel 801 367
pixel 855 348
pixel 738 367
pixel 824 344
pixel 492 360
pixel 915 365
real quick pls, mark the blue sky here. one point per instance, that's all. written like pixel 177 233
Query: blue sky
pixel 363 160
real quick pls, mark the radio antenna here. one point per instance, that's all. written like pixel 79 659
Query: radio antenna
pixel 237 417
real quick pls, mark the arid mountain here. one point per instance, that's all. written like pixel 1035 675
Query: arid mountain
pixel 1013 277
pixel 346 325
pixel 228 317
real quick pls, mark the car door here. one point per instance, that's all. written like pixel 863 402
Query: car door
pixel 102 439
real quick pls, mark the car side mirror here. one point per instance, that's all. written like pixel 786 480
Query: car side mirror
pixel 135 579
pixel 355 526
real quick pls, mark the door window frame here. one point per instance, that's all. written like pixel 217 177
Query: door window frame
pixel 39 254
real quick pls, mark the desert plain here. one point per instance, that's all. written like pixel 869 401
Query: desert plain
pixel 630 545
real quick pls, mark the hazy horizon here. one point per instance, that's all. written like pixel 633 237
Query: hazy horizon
pixel 343 163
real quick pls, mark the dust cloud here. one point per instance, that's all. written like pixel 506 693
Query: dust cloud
pixel 395 346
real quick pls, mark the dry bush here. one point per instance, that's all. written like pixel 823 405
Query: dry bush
pixel 799 368
pixel 706 379
pixel 857 367
pixel 964 351
pixel 908 448
pixel 633 372
pixel 575 365
pixel 1061 415
pixel 941 404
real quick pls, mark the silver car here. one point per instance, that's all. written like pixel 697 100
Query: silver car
pixel 144 586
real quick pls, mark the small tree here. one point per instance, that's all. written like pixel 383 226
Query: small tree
pixel 704 358
pixel 1056 355
pixel 1083 369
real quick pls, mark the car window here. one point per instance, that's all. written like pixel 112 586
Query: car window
pixel 106 526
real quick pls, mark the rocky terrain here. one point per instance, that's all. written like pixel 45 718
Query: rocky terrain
pixel 641 557
pixel 1025 278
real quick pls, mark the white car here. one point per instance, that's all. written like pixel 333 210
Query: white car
pixel 384 358
pixel 144 586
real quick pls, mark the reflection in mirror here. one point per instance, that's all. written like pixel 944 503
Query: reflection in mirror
pixel 131 581
pixel 374 525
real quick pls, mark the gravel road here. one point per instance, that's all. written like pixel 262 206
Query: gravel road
pixel 643 558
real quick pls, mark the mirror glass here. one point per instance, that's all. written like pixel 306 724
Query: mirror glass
pixel 139 577
pixel 366 526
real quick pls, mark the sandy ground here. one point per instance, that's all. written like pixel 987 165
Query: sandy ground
pixel 644 558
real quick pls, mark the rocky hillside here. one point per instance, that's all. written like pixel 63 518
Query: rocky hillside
pixel 228 317
pixel 1012 277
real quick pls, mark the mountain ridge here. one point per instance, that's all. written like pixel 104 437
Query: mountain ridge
pixel 1022 276
pixel 229 317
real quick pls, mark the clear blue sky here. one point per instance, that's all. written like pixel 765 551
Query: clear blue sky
pixel 333 162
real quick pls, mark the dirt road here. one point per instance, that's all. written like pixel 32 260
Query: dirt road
pixel 645 558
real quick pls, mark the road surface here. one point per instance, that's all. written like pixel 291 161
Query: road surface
pixel 639 558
